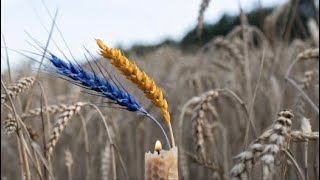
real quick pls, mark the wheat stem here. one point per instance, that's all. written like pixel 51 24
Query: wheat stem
pixel 294 84
pixel 288 154
pixel 86 144
pixel 19 133
pixel 7 58
pixel 14 90
pixel 114 170
pixel 163 131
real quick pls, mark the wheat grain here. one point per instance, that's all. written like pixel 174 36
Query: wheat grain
pixel 307 79
pixel 277 137
pixel 298 136
pixel 305 129
pixel 104 88
pixel 32 132
pixel 304 55
pixel 10 124
pixel 138 77
pixel 95 83
pixel 14 90
pixel 309 54
pixel 141 79
pixel 277 141
pixel 314 31
pixel 106 162
pixel 305 133
pixel 204 5
pixel 61 123
pixel 68 161
pixel 52 109
pixel 199 122
pixel 230 47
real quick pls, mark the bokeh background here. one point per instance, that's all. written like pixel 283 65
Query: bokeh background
pixel 247 53
pixel 120 23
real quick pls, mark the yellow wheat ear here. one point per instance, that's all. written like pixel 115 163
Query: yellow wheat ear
pixel 138 77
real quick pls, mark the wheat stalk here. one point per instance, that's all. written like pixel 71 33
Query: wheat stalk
pixel 314 30
pixel 271 20
pixel 277 142
pixel 61 123
pixel 231 48
pixel 52 109
pixel 307 79
pixel 22 147
pixel 304 55
pixel 32 132
pixel 299 136
pixel 199 122
pixel 138 77
pixel 106 162
pixel 306 129
pixel 277 137
pixel 14 90
pixel 100 86
pixel 68 162
pixel 10 124
pixel 141 79
pixel 204 5
pixel 309 54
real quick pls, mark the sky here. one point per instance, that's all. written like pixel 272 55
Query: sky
pixel 116 22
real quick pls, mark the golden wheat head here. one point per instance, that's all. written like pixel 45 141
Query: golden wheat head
pixel 14 90
pixel 138 77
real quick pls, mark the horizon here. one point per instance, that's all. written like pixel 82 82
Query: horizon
pixel 149 26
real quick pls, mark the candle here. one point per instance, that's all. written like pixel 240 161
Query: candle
pixel 162 164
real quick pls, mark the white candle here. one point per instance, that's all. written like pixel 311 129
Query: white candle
pixel 161 164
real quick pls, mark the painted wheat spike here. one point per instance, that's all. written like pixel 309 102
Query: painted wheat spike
pixel 53 109
pixel 138 77
pixel 32 132
pixel 13 91
pixel 61 124
pixel 11 126
pixel 93 82
pixel 99 85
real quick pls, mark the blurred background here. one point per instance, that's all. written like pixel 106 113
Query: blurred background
pixel 120 23
pixel 264 54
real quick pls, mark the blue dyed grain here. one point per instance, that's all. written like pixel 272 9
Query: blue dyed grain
pixel 94 82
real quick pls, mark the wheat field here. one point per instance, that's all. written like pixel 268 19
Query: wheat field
pixel 242 106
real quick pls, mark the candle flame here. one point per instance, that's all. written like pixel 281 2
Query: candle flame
pixel 158 146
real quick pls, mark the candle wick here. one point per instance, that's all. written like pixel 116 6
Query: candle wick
pixel 158 152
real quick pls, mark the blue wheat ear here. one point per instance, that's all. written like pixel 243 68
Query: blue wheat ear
pixel 91 81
